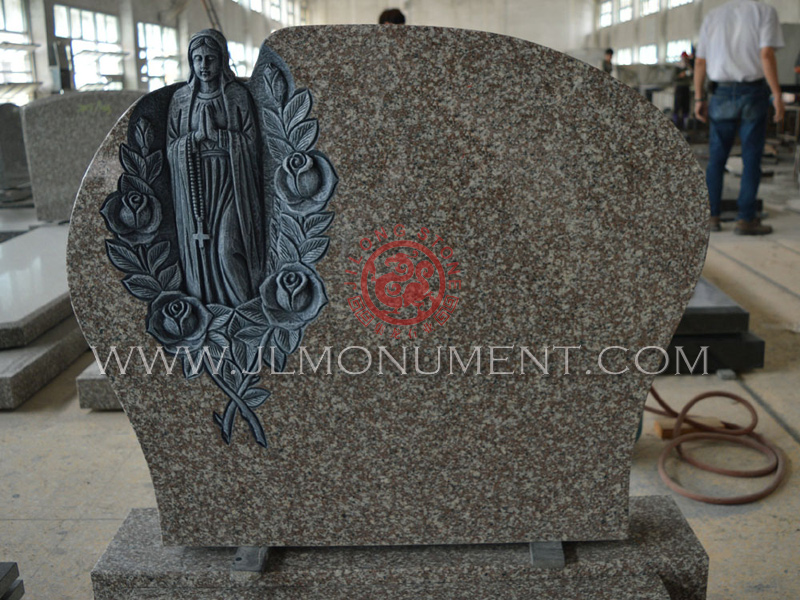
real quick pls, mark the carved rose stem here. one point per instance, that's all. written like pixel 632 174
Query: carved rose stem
pixel 235 404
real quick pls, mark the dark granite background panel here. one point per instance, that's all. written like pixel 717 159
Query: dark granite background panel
pixel 577 215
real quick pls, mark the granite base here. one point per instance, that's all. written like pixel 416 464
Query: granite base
pixel 95 391
pixel 660 559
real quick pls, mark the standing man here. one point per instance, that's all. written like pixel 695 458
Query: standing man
pixel 737 50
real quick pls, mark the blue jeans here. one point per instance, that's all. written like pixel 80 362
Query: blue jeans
pixel 743 107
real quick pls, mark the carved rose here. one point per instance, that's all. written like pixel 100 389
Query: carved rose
pixel 176 320
pixel 306 182
pixel 134 216
pixel 293 296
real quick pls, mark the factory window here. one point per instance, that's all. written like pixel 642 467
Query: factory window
pixel 303 12
pixel 674 3
pixel 238 58
pixel 624 56
pixel 650 6
pixel 257 5
pixel 158 55
pixel 16 67
pixel 605 13
pixel 648 55
pixel 676 47
pixel 91 42
pixel 275 9
pixel 625 10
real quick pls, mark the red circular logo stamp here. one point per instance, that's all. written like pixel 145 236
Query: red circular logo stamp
pixel 403 286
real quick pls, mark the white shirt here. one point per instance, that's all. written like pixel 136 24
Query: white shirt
pixel 732 36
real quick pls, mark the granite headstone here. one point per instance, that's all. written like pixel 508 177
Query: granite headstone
pixel 13 164
pixel 440 269
pixel 62 133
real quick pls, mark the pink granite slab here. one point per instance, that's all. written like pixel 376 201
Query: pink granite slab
pixel 578 216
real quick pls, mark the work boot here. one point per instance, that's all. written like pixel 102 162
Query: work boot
pixel 714 224
pixel 753 227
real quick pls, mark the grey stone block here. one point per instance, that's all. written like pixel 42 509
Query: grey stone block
pixel 62 134
pixel 711 311
pixel 24 371
pixel 13 164
pixel 94 390
pixel 661 559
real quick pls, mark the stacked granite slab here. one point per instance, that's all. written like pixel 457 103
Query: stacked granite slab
pixel 95 391
pixel 39 336
pixel 369 478
pixel 714 321
pixel 62 133
pixel 11 587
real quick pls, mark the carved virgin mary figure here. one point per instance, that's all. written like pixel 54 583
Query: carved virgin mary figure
pixel 213 152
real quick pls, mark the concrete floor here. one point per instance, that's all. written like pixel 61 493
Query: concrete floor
pixel 68 476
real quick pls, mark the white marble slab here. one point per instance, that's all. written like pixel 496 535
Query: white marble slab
pixel 33 285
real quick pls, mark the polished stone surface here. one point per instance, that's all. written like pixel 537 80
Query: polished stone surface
pixel 26 370
pixel 95 391
pixel 62 133
pixel 661 560
pixel 711 311
pixel 33 293
pixel 559 243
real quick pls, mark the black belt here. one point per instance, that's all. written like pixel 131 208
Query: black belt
pixel 761 81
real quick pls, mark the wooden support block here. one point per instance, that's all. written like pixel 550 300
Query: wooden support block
pixel 664 427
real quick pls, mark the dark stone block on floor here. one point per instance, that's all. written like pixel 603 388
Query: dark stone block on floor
pixel 15 592
pixel 711 311
pixel 739 352
pixel 8 574
pixel 660 559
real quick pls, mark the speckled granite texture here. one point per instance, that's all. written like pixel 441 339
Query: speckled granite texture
pixel 19 333
pixel 578 216
pixel 662 559
pixel 94 390
pixel 62 134
pixel 24 371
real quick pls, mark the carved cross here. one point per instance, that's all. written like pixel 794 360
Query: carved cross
pixel 200 237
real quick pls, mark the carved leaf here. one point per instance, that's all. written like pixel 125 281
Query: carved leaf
pixel 170 278
pixel 219 339
pixel 251 335
pixel 132 162
pixel 255 397
pixel 273 124
pixel 304 136
pixel 123 258
pixel 240 355
pixel 273 352
pixel 221 315
pixel 287 251
pixel 129 183
pixel 143 287
pixel 279 87
pixel 155 163
pixel 287 340
pixel 157 255
pixel 279 148
pixel 253 312
pixel 292 228
pixel 297 109
pixel 314 249
pixel 317 224
pixel 144 136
